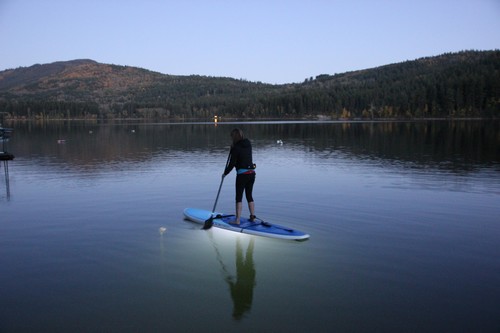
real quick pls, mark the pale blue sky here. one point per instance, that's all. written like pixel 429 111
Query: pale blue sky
pixel 269 41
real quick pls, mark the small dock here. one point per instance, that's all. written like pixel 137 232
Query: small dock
pixel 5 134
pixel 4 156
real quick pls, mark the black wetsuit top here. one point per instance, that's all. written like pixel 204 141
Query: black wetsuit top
pixel 241 156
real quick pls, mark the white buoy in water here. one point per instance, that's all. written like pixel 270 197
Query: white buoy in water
pixel 162 230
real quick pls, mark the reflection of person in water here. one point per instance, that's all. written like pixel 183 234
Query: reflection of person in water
pixel 242 289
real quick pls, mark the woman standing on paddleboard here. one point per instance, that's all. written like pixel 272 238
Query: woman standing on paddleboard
pixel 241 159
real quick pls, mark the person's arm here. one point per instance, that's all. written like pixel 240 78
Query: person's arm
pixel 232 162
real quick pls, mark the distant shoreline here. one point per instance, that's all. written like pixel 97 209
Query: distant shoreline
pixel 245 120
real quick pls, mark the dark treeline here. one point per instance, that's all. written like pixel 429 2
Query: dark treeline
pixel 464 84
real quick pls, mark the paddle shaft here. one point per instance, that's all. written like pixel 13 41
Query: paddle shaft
pixel 221 181
pixel 217 197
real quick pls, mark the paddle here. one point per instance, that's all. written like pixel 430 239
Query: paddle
pixel 210 222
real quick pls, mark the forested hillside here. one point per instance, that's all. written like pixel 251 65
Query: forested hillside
pixel 464 84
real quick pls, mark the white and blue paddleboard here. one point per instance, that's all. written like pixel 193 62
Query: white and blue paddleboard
pixel 256 227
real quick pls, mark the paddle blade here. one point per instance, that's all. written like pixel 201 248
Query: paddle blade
pixel 208 224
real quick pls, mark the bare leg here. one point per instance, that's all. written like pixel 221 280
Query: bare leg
pixel 239 206
pixel 251 208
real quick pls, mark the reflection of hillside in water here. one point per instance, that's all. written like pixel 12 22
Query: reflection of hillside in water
pixel 452 145
pixel 92 145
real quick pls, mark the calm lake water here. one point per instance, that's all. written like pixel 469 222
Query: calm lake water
pixel 404 219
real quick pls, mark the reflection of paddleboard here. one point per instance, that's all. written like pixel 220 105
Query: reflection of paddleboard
pixel 258 227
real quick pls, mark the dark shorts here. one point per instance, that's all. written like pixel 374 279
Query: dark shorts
pixel 244 182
